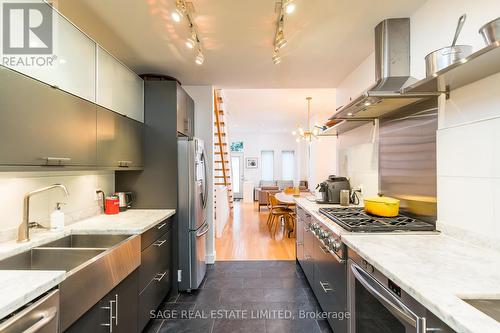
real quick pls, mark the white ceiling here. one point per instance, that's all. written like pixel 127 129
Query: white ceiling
pixel 327 39
pixel 276 110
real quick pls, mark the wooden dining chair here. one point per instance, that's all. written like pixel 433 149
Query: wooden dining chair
pixel 276 214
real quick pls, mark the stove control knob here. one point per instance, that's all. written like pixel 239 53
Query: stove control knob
pixel 335 245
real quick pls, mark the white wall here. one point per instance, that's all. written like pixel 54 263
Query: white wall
pixel 322 160
pixel 203 129
pixel 254 143
pixel 81 203
pixel 468 176
pixel 358 81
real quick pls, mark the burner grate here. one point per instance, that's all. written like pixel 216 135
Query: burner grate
pixel 356 220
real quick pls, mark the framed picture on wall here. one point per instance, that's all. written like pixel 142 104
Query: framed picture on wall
pixel 237 146
pixel 251 163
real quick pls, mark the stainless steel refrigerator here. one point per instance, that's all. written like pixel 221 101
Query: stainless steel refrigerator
pixel 192 212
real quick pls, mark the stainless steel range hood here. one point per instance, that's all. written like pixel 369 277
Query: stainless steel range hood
pixel 392 74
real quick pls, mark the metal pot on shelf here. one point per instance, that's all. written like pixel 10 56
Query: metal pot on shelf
pixel 446 56
pixel 491 31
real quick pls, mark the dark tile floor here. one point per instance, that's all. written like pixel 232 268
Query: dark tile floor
pixel 243 296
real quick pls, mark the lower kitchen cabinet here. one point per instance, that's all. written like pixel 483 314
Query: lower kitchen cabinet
pixel 155 272
pixel 308 263
pixel 115 312
pixel 330 284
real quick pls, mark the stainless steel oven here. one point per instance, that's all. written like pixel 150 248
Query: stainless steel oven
pixel 377 304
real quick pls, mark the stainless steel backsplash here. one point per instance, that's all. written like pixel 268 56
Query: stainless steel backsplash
pixel 407 159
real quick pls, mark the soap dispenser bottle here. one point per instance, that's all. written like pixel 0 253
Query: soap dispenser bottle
pixel 57 218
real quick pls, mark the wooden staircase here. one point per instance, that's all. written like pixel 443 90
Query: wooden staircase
pixel 222 160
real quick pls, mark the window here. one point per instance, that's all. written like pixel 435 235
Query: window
pixel 288 164
pixel 267 163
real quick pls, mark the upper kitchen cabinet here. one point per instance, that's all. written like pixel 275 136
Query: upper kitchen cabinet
pixel 119 141
pixel 73 66
pixel 118 88
pixel 185 113
pixel 40 125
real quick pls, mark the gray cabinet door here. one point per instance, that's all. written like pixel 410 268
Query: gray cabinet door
pixel 115 312
pixel 119 140
pixel 40 125
pixel 182 112
pixel 190 116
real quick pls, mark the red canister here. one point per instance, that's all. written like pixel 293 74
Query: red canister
pixel 112 205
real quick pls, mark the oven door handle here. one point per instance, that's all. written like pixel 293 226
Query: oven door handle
pixel 390 302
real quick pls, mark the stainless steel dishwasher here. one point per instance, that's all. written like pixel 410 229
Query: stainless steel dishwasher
pixel 40 316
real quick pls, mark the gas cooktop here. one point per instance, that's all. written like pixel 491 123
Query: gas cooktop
pixel 356 220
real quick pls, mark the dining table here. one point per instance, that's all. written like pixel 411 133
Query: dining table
pixel 288 199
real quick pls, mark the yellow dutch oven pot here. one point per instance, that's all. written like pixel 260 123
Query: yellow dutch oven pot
pixel 382 206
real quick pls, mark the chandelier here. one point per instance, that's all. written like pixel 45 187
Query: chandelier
pixel 309 133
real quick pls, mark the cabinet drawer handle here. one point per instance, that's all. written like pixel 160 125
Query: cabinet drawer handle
pixel 45 318
pixel 161 225
pixel 300 243
pixel 327 288
pixel 159 243
pixel 307 257
pixel 116 309
pixel 124 164
pixel 111 317
pixel 60 160
pixel 159 276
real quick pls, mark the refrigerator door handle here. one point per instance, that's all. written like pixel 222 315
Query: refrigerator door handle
pixel 205 187
pixel 203 230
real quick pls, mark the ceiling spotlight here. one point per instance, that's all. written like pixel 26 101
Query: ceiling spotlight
pixel 177 15
pixel 289 7
pixel 280 40
pixel 191 42
pixel 199 58
pixel 276 58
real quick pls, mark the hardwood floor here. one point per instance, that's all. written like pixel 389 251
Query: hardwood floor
pixel 246 237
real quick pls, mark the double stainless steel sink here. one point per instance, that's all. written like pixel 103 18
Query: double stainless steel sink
pixel 94 265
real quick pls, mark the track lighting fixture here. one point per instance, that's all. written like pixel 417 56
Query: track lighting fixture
pixel 180 9
pixel 186 9
pixel 282 9
pixel 200 59
pixel 192 41
pixel 289 6
pixel 280 40
pixel 276 58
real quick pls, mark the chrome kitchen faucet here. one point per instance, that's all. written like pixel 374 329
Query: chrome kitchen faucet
pixel 23 234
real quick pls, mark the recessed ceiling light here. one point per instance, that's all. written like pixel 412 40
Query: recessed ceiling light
pixel 349 114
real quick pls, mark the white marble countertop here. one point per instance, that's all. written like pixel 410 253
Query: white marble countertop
pixel 133 222
pixel 435 269
pixel 19 287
